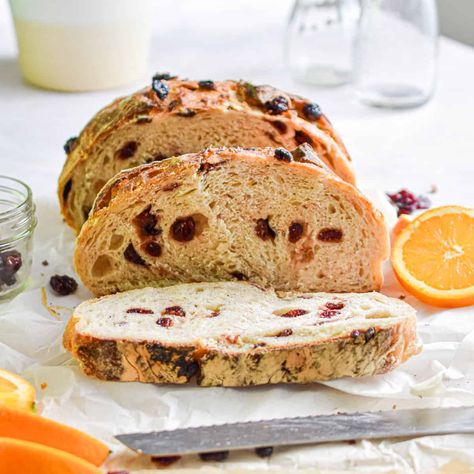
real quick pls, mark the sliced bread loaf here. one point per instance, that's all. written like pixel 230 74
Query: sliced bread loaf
pixel 236 334
pixel 278 219
pixel 175 117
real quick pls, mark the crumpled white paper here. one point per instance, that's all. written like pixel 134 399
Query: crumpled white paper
pixel 441 376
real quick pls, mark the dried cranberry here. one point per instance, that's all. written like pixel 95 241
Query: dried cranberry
pixel 67 189
pixel 355 333
pixel 10 261
pixel 183 229
pixel 63 285
pixel 127 150
pixel 239 276
pixel 293 313
pixel 328 313
pixel 330 235
pixel 147 222
pixel 215 313
pixel 215 456
pixel 295 232
pixel 132 256
pixel 175 311
pixel 153 249
pixel 208 85
pixel 140 311
pixel 165 460
pixel 161 89
pixel 263 230
pixel 406 202
pixel 70 144
pixel 285 333
pixel 163 76
pixel 165 322
pixel 277 105
pixel 264 452
pixel 312 111
pixel 283 155
pixel 302 137
pixel 332 305
pixel 369 334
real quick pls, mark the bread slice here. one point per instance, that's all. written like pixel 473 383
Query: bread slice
pixel 232 214
pixel 277 219
pixel 181 116
pixel 236 334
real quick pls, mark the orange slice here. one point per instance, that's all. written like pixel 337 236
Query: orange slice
pixel 433 256
pixel 16 392
pixel 24 457
pixel 30 427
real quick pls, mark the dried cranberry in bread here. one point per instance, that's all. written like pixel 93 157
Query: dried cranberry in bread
pixel 175 117
pixel 235 334
pixel 278 219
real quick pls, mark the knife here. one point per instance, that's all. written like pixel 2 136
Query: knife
pixel 304 430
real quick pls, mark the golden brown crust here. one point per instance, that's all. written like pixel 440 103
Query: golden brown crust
pixel 187 99
pixel 353 355
pixel 138 184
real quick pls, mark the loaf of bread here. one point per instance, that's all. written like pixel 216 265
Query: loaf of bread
pixel 175 117
pixel 236 334
pixel 275 218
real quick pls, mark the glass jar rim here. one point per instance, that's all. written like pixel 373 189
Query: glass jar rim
pixel 25 193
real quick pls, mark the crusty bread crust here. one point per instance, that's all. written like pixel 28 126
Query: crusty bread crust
pixel 128 193
pixel 188 119
pixel 150 362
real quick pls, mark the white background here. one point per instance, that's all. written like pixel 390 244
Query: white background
pixel 432 145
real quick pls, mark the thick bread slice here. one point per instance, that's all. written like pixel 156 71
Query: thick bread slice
pixel 143 127
pixel 232 214
pixel 236 334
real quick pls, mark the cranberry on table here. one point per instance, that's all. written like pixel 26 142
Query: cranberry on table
pixel 63 285
pixel 407 202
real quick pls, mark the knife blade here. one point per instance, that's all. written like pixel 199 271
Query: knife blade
pixel 303 430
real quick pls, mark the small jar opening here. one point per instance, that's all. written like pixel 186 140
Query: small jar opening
pixel 17 210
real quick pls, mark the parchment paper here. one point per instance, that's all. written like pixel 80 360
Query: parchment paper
pixel 442 375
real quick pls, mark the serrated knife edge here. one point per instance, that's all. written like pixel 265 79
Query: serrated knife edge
pixel 302 430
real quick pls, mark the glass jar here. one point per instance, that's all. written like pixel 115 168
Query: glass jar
pixel 17 223
pixel 319 42
pixel 395 52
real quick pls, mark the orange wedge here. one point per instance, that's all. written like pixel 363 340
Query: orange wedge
pixel 24 457
pixel 26 426
pixel 433 256
pixel 16 392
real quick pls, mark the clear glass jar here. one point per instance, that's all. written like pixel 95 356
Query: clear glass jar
pixel 319 42
pixel 395 52
pixel 17 223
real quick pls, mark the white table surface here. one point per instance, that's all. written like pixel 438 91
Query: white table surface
pixel 418 148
